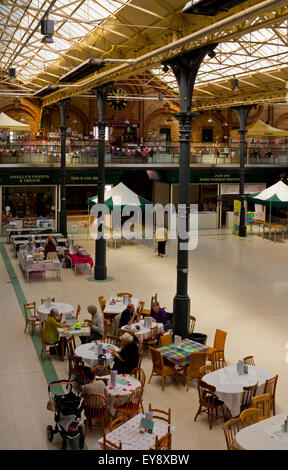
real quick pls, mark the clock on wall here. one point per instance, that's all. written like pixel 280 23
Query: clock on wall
pixel 119 100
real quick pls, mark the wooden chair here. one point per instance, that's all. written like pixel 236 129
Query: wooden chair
pixel 231 428
pixel 205 370
pixel 219 342
pixel 163 415
pixel 106 326
pixel 217 359
pixel 191 371
pixel 165 442
pixel 76 370
pixel 70 344
pixel 76 318
pixel 248 394
pixel 140 308
pixel 209 402
pixel 115 423
pixel 46 346
pixel 120 294
pixel 102 303
pixel 147 311
pixel 263 403
pixel 161 368
pixel 139 374
pixel 165 339
pixel 115 340
pixel 108 445
pixel 270 387
pixel 95 406
pixel 152 340
pixel 192 321
pixel 133 404
pixel 43 301
pixel 249 360
pixel 31 317
pixel 100 371
pixel 249 416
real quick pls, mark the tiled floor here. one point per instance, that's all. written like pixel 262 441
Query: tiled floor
pixel 239 285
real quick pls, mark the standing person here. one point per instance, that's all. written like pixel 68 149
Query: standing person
pixel 50 246
pixel 128 316
pixel 161 237
pixel 51 334
pixel 96 324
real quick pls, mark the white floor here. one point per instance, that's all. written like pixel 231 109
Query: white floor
pixel 239 285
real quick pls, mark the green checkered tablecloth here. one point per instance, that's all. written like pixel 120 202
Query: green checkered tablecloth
pixel 181 355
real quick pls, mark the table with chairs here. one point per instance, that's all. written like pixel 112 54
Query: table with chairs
pixel 143 333
pixel 230 387
pixel 122 398
pixel 89 353
pixel 127 436
pixel 265 434
pixel 43 310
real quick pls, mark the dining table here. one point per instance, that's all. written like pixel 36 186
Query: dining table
pixel 180 354
pixel 89 353
pixel 131 437
pixel 43 310
pixel 119 395
pixel 69 331
pixel 140 331
pixel 267 434
pixel 229 385
pixel 115 305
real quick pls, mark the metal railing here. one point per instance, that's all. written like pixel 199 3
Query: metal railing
pixel 83 153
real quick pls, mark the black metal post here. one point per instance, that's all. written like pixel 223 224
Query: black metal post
pixel 63 214
pixel 101 92
pixel 242 112
pixel 185 68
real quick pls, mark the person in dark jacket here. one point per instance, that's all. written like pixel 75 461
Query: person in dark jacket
pixel 127 358
pixel 159 314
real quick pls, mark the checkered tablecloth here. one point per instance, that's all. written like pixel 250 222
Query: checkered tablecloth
pixel 181 355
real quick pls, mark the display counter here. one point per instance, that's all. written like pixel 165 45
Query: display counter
pixel 207 220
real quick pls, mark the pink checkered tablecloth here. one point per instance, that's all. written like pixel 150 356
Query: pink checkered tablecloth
pixel 143 333
pixel 131 438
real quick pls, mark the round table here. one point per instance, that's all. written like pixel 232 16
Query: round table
pixel 229 385
pixel 66 309
pixel 265 435
pixel 89 353
pixel 142 333
pixel 118 396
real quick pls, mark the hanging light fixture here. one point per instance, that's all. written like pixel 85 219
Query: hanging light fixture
pixel 12 74
pixel 47 29
pixel 210 118
pixel 234 83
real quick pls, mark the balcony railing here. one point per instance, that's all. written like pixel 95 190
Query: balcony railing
pixel 85 153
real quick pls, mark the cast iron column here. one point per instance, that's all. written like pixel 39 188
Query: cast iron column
pixel 242 112
pixel 185 68
pixel 63 214
pixel 101 92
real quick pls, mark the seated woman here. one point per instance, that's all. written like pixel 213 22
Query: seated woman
pixel 159 315
pixel 127 358
pixel 51 334
pixel 50 246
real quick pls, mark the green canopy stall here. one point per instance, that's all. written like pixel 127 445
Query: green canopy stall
pixel 274 196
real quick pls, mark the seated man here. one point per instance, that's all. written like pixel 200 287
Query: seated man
pixel 159 315
pixel 128 316
pixel 96 324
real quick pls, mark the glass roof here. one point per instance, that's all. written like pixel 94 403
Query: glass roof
pixel 261 50
pixel 20 17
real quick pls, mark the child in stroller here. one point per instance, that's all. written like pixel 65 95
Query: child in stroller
pixel 67 415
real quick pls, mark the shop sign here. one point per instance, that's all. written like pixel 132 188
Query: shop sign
pixel 219 178
pixel 25 179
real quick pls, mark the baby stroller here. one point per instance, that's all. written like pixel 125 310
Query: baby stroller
pixel 67 415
